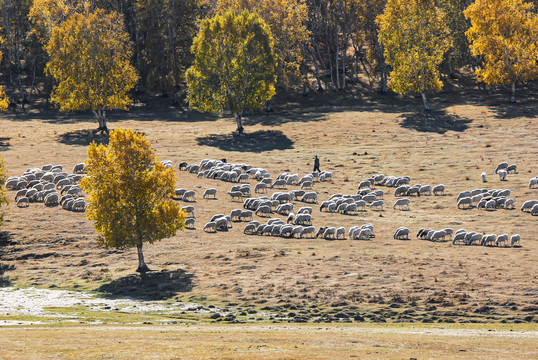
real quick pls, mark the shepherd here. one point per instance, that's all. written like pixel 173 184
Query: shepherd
pixel 316 164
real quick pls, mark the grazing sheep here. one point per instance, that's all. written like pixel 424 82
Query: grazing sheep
pixel 183 166
pixel 509 204
pixel 481 204
pixel 68 204
pixel 401 190
pixel 423 232
pixel 250 229
pixel 279 183
pixel 310 197
pixel 528 204
pixel 490 204
pixel 79 168
pixel 488 240
pixel 284 209
pixel 303 219
pixel 532 182
pixel 243 178
pixel 246 215
pixel 378 194
pixel 260 187
pixel 458 237
pixel 377 204
pixel 534 210
pixel 179 193
pixel 283 198
pixel 465 201
pixel 23 202
pixel 329 233
pixel 438 190
pixel 210 192
pixel 340 231
pixel 286 231
pixel 307 185
pixel 475 239
pixel 483 176
pixel 502 175
pixel 351 209
pixel 234 214
pixel 237 195
pixel 512 167
pixel 305 210
pixel 189 223
pixel 402 203
pixel 325 205
pixel 221 224
pixel 425 190
pixel 308 230
pixel 515 240
pixel 369 198
pixel 463 194
pixel 361 204
pixel 297 230
pixel 51 199
pixel 438 235
pixel 189 210
pixel 365 184
pixel 364 234
pixel 502 239
pixel 210 226
pixel 21 193
pixel 21 184
pixel 264 209
pixel 402 233
pixel 501 166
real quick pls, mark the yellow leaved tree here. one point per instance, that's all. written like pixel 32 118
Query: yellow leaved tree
pixel 415 40
pixel 505 34
pixel 90 60
pixel 130 194
pixel 3 195
pixel 4 101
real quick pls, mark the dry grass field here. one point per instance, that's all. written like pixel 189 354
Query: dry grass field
pixel 381 280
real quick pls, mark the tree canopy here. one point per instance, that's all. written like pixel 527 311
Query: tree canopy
pixel 505 34
pixel 234 65
pixel 90 58
pixel 416 39
pixel 130 194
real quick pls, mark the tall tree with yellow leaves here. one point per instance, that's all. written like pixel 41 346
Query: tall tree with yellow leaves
pixel 415 40
pixel 234 66
pixel 505 34
pixel 4 101
pixel 90 60
pixel 130 194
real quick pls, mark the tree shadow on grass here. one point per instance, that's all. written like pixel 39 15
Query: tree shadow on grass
pixel 258 141
pixel 4 143
pixel 83 137
pixel 435 121
pixel 160 285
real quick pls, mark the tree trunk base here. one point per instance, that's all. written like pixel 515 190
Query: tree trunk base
pixel 101 129
pixel 143 269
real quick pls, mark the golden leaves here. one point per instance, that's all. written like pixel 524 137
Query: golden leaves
pixel 505 34
pixel 130 192
pixel 415 38
pixel 90 60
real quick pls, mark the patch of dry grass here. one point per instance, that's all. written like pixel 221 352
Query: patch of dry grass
pixel 266 342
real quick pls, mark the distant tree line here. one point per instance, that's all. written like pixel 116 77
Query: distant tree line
pixel 317 45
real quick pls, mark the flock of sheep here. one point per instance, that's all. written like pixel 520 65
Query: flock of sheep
pixel 49 185
pixel 299 222
pixel 52 186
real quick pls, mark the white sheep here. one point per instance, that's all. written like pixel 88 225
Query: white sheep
pixel 490 205
pixel 377 204
pixel 260 188
pixel 210 192
pixel 438 190
pixel 458 236
pixel 463 194
pixel 51 199
pixel 513 168
pixel 402 203
pixel 501 166
pixel 310 197
pixel 532 182
pixel 502 175
pixel 509 204
pixel 307 185
pixel 189 223
pixel 534 210
pixel 189 195
pixel 489 239
pixel 303 219
pixel 23 202
pixel 308 230
pixel 402 233
pixel 329 233
pixel 483 176
pixel 279 183
pixel 514 239
pixel 210 226
pixel 263 210
pixel 502 239
pixel 438 235
pixel 246 215
pixel 340 231
pixel 79 168
pixel 305 210
pixel 528 204
pixel 189 210
pixel 401 190
pixel 425 190
pixel 237 195
pixel 465 201
pixel 364 234
pixel 297 230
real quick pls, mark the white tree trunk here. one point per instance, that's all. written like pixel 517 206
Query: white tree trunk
pixel 239 123
pixel 142 267
pixel 425 101
pixel 513 97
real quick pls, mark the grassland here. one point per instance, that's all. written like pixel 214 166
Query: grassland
pixel 314 280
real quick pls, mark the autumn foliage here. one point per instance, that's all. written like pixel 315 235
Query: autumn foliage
pixel 130 194
pixel 505 34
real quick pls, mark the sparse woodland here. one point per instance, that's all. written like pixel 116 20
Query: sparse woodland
pixel 326 45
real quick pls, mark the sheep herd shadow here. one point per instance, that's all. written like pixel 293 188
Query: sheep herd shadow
pixel 159 285
pixel 258 141
pixel 435 121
